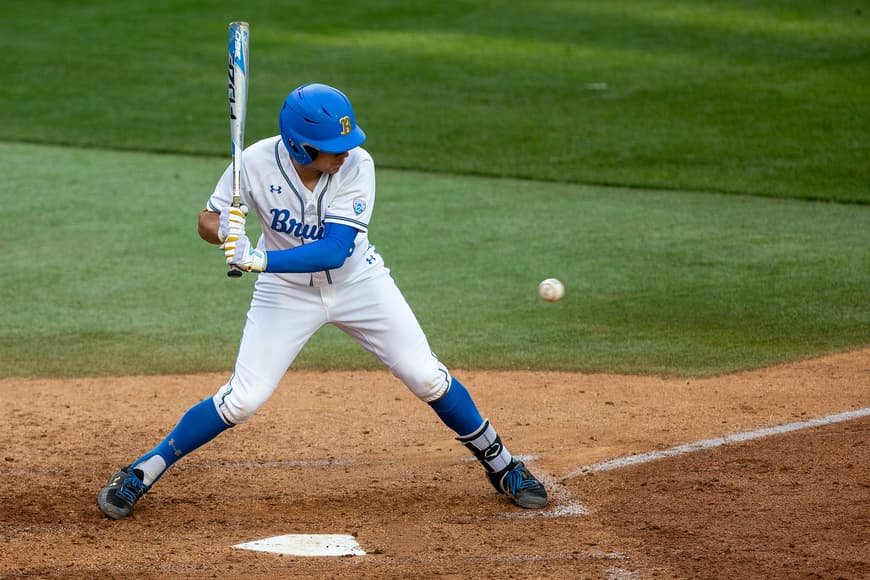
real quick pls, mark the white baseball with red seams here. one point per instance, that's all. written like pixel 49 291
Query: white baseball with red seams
pixel 551 289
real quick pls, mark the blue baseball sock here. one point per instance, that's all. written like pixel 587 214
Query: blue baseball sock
pixel 457 410
pixel 197 427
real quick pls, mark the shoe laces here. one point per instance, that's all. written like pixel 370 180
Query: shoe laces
pixel 520 478
pixel 132 487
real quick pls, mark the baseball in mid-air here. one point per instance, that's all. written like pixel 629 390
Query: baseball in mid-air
pixel 551 289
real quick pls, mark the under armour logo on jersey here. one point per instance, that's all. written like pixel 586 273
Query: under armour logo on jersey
pixel 371 259
pixel 282 222
pixel 275 189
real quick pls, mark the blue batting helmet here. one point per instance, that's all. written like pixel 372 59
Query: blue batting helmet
pixel 321 117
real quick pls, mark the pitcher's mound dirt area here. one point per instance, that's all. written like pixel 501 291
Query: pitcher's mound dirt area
pixel 355 453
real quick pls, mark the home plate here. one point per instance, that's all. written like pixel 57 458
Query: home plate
pixel 307 545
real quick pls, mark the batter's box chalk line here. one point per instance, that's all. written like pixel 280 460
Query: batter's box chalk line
pixel 540 557
pixel 279 463
pixel 307 545
pixel 717 442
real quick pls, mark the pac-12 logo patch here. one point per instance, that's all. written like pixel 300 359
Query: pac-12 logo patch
pixel 359 206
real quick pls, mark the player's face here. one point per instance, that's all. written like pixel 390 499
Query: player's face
pixel 329 162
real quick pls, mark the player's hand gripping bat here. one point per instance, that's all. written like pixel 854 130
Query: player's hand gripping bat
pixel 238 97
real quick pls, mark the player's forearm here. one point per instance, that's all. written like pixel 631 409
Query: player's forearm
pixel 325 254
pixel 209 223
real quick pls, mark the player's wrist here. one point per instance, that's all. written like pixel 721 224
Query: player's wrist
pixel 259 261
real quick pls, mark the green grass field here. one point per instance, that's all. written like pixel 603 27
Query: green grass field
pixel 515 141
pixel 762 98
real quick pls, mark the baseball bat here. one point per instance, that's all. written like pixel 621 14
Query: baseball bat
pixel 237 71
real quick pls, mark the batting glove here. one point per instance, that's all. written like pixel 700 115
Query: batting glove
pixel 232 222
pixel 242 256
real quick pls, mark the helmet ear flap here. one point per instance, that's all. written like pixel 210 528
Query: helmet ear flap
pixel 311 151
pixel 302 155
pixel 290 137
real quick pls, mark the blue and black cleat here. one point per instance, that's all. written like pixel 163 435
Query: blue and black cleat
pixel 124 489
pixel 518 482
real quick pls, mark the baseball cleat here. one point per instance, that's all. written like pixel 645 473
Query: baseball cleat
pixel 518 482
pixel 124 489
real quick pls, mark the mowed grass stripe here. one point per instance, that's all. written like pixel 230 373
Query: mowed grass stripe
pixel 104 272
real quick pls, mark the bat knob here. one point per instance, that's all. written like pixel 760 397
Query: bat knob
pixel 234 273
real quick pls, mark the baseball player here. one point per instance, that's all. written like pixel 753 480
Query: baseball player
pixel 313 189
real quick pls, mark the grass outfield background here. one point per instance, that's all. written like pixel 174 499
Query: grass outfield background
pixel 728 96
pixel 491 123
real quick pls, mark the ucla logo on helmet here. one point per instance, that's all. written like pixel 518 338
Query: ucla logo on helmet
pixel 359 206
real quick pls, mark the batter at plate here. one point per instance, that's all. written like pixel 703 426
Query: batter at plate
pixel 313 189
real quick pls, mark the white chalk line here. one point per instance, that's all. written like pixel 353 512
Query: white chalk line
pixel 592 555
pixel 563 505
pixel 268 464
pixel 712 443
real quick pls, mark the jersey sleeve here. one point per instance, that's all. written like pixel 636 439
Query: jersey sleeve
pixel 352 205
pixel 223 192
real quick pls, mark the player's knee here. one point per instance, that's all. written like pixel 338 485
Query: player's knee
pixel 428 381
pixel 234 406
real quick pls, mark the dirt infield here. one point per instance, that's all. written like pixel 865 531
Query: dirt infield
pixel 355 453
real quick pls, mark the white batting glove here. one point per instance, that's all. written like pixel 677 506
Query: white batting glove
pixel 242 256
pixel 232 222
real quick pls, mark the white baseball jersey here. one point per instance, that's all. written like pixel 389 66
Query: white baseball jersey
pixel 293 215
pixel 360 297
